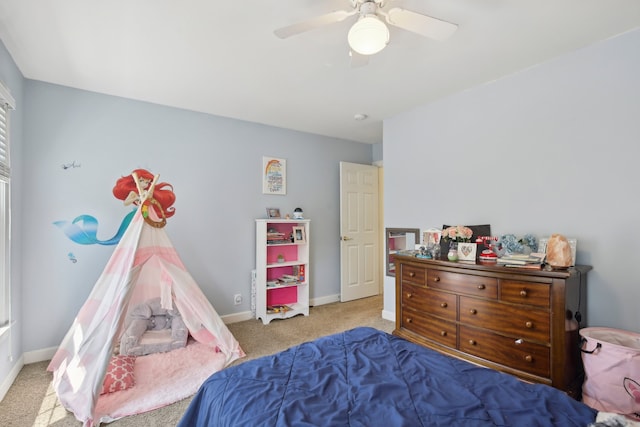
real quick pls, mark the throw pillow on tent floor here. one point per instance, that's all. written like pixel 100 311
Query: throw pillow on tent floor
pixel 119 374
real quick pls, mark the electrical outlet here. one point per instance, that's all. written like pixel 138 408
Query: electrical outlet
pixel 237 299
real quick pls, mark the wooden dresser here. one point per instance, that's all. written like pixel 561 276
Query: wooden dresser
pixel 514 320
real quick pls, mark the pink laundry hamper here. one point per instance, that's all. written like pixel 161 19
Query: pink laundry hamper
pixel 611 359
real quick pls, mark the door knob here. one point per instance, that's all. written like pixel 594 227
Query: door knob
pixel 345 238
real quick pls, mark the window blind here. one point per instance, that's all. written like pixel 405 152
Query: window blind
pixel 4 142
pixel 6 102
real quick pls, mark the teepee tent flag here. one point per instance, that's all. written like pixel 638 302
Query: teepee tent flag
pixel 143 266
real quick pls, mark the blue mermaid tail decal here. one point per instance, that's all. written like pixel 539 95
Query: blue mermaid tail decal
pixel 83 230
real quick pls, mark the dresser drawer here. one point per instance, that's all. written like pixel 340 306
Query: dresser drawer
pixel 425 300
pixel 486 287
pixel 413 274
pixel 517 354
pixel 430 327
pixel 521 292
pixel 506 319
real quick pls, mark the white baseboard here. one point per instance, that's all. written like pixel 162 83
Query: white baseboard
pixel 8 381
pixel 324 300
pixel 39 355
pixel 236 317
pixel 389 315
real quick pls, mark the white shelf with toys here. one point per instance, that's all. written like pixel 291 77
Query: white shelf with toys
pixel 282 268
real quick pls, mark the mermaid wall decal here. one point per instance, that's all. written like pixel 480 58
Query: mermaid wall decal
pixel 84 228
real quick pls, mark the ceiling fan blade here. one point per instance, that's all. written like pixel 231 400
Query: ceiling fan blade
pixel 358 60
pixel 424 25
pixel 313 23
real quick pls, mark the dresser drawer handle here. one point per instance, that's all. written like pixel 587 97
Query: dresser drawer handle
pixel 481 287
pixel 443 304
pixel 528 358
pixel 409 294
pixel 519 341
pixel 529 324
pixel 472 342
pixel 436 279
pixel 523 293
pixel 409 320
pixel 412 274
pixel 443 333
pixel 473 311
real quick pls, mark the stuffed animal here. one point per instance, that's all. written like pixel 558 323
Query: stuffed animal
pixel 151 317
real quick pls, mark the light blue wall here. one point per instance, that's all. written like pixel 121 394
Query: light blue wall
pixel 550 149
pixel 214 165
pixel 11 345
pixel 377 152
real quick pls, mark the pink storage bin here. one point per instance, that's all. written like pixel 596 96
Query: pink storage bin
pixel 611 359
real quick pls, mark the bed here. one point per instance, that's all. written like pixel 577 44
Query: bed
pixel 366 377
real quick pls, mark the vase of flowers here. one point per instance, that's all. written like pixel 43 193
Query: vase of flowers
pixel 452 255
pixel 454 235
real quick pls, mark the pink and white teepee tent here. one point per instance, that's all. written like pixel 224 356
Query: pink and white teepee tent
pixel 143 266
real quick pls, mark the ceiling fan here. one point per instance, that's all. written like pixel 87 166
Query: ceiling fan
pixel 369 35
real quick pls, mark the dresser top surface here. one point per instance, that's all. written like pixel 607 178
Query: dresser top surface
pixel 476 267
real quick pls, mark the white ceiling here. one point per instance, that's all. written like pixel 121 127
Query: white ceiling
pixel 222 58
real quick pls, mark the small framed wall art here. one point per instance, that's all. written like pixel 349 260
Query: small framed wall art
pixel 274 176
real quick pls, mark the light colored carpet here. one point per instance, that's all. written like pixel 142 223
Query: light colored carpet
pixel 31 402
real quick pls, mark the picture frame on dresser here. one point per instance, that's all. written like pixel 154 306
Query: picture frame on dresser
pixel 431 236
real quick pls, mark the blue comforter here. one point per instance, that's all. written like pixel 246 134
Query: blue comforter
pixel 365 377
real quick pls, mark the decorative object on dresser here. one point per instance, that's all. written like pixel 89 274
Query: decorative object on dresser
pixel 458 236
pixel 559 253
pixel 519 322
pixel 467 251
pixel 459 233
pixel 509 244
pixel 488 255
pixel 282 268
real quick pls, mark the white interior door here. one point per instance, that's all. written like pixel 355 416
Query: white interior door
pixel 359 231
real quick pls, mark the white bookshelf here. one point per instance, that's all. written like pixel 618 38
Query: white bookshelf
pixel 282 268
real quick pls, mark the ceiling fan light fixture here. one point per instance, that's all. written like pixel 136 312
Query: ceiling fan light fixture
pixel 368 36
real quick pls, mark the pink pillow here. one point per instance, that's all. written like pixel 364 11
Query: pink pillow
pixel 119 374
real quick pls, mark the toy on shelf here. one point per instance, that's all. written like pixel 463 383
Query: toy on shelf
pixel 487 255
pixel 280 308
